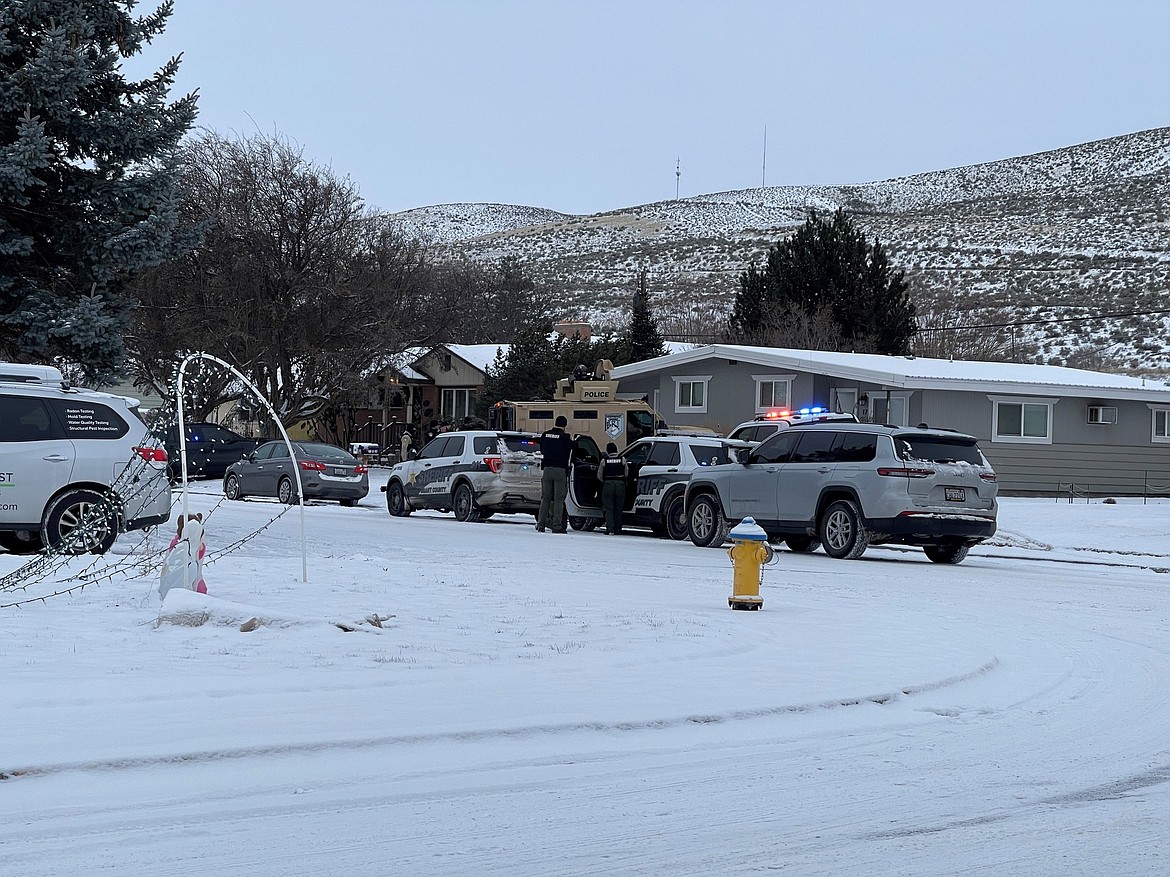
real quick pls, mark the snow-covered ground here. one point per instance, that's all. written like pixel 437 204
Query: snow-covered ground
pixel 584 704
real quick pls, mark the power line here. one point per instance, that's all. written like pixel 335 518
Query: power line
pixel 1041 322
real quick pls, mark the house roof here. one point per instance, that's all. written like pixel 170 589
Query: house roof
pixel 478 355
pixel 917 373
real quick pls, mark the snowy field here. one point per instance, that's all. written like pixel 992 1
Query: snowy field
pixel 583 704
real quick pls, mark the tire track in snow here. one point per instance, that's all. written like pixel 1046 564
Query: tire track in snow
pixel 252 752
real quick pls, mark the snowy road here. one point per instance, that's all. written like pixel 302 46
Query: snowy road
pixel 582 704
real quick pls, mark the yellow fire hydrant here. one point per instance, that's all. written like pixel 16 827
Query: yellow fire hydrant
pixel 748 552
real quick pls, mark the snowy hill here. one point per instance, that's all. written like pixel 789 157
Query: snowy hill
pixel 1064 234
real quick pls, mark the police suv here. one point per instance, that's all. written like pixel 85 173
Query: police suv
pixel 80 466
pixel 771 422
pixel 473 473
pixel 659 469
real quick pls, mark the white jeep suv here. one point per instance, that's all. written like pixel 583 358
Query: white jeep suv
pixel 850 485
pixel 80 466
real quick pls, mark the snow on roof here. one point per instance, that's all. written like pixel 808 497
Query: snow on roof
pixel 907 372
pixel 479 355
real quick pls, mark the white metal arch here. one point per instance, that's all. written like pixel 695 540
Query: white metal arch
pixel 275 419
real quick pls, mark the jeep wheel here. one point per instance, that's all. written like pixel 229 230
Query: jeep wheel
pixel 950 552
pixel 676 518
pixel 231 488
pixel 706 525
pixel 21 542
pixel 464 505
pixel 396 500
pixel 842 531
pixel 802 544
pixel 81 521
pixel 285 492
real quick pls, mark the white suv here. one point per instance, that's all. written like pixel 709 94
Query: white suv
pixel 80 466
pixel 850 485
pixel 474 473
pixel 659 469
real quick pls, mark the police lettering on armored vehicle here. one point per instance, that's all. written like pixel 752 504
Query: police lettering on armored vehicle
pixel 658 471
pixel 473 473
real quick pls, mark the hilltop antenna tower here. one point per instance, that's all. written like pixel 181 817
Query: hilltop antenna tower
pixel 764 167
pixel 677 175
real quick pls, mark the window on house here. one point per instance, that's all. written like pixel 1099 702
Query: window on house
pixel 1018 421
pixel 773 391
pixel 1161 424
pixel 690 393
pixel 456 404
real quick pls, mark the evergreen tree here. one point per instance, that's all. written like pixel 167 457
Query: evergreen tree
pixel 825 287
pixel 641 340
pixel 87 180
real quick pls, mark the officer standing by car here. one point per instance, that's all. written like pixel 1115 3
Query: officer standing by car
pixel 612 471
pixel 556 450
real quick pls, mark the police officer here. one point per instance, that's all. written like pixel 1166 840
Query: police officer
pixel 613 471
pixel 556 450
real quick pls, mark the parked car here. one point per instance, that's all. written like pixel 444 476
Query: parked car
pixel 767 425
pixel 326 472
pixel 211 448
pixel 80 465
pixel 659 469
pixel 850 485
pixel 474 473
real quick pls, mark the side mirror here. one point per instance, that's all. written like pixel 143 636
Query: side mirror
pixel 743 456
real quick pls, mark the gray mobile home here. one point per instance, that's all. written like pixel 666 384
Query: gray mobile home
pixel 1043 427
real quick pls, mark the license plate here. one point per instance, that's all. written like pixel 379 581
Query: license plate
pixel 342 472
pixel 955 494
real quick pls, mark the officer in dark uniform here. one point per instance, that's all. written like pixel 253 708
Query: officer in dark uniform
pixel 556 451
pixel 612 471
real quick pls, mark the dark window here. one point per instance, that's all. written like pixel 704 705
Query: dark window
pixel 212 433
pixel 638 454
pixel 710 455
pixel 937 449
pixel 433 448
pixel 264 452
pixel 815 447
pixel 484 444
pixel 527 443
pixel 454 446
pixel 587 414
pixel 857 448
pixel 25 419
pixel 89 420
pixel 777 449
pixel 542 414
pixel 279 451
pixel 585 450
pixel 664 454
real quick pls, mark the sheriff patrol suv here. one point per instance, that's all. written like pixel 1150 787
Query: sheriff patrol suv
pixel 474 473
pixel 771 422
pixel 659 469
pixel 850 485
pixel 80 466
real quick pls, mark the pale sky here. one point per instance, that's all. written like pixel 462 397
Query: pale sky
pixel 584 107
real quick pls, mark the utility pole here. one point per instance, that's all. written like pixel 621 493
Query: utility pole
pixel 677 175
pixel 764 168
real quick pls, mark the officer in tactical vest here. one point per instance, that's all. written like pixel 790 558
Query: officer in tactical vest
pixel 556 451
pixel 612 471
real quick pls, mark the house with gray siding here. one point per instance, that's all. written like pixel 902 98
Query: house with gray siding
pixel 1042 427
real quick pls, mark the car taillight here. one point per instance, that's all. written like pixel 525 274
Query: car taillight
pixel 360 469
pixel 988 477
pixel 907 473
pixel 152 455
pixel 494 463
pixel 312 466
